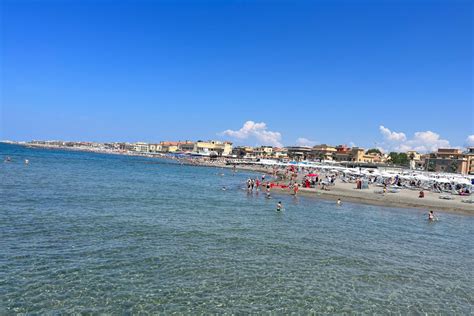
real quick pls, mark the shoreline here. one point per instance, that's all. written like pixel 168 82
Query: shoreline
pixel 344 191
pixel 384 201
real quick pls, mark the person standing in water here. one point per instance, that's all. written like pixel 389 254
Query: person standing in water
pixel 279 206
pixel 268 190
pixel 431 216
pixel 339 202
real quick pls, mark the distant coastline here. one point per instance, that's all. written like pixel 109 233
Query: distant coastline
pixel 344 191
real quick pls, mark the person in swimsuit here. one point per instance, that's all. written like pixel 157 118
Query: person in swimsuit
pixel 431 216
pixel 339 202
pixel 279 207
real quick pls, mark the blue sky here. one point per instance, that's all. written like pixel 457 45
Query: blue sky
pixel 315 71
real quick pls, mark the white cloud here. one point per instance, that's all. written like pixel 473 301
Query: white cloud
pixel 392 136
pixel 470 140
pixel 422 142
pixel 259 131
pixel 305 142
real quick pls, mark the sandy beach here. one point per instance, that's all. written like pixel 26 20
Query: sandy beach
pixel 348 192
pixel 404 198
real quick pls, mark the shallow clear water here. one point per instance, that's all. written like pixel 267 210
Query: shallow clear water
pixel 83 232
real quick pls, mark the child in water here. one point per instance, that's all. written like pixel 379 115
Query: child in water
pixel 279 207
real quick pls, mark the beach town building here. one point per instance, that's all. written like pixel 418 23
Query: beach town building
pixel 470 160
pixel 154 148
pixel 414 159
pixel 140 147
pixel 447 160
pixel 169 147
pixel 213 146
pixel 323 152
pixel 342 149
pixel 298 153
pixel 356 154
pixel 243 152
pixel 129 147
pixel 115 146
pixel 263 151
pixel 186 146
pixel 280 153
pixel 342 153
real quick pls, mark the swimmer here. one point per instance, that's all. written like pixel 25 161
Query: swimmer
pixel 279 207
pixel 27 161
pixel 224 188
pixel 432 217
pixel 339 202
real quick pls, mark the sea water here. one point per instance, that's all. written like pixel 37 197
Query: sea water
pixel 94 233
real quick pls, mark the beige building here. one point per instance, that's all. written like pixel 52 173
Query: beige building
pixel 280 153
pixel 186 146
pixel 243 152
pixel 414 159
pixel 356 154
pixel 140 147
pixel 323 151
pixel 470 160
pixel 154 148
pixel 448 160
pixel 169 147
pixel 213 146
pixel 263 151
